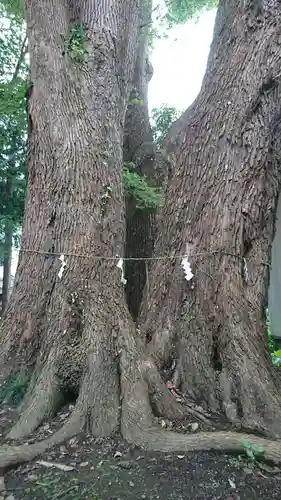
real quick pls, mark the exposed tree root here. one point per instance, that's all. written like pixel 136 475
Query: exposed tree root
pixel 137 422
pixel 107 402
pixel 40 404
pixel 15 455
pixel 164 402
pixel 149 439
pixel 168 441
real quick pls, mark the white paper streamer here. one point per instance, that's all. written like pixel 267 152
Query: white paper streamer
pixel 63 264
pixel 187 269
pixel 120 266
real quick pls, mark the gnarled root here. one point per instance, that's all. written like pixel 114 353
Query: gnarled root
pixel 15 455
pixel 231 442
pixel 164 403
pixel 138 428
pixel 41 402
pixel 139 379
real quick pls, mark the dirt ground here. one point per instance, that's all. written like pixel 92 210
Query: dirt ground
pixel 89 469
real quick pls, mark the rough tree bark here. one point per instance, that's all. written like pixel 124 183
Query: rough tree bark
pixel 64 328
pixel 225 164
pixel 221 199
pixel 139 152
pixel 8 246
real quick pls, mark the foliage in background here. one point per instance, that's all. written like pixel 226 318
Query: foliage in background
pixel 168 14
pixel 13 125
pixel 13 8
pixel 180 11
pixel 136 186
pixel 162 118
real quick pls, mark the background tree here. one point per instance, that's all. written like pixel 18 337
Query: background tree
pixel 13 84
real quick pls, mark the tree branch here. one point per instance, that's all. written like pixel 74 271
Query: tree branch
pixel 23 53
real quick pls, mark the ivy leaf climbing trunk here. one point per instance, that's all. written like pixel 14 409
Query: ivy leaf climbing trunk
pixel 221 202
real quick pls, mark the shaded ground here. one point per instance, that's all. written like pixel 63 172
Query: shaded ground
pixel 112 470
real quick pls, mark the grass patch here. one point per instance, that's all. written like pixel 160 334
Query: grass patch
pixel 14 389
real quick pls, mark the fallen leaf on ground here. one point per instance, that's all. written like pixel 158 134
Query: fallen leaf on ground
pixel 194 426
pixel 117 454
pixel 232 484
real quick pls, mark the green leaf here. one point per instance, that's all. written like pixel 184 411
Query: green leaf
pixel 162 119
pixel 250 454
pixel 257 448
pixel 179 11
pixel 138 102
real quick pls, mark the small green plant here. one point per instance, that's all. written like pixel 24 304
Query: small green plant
pixel 275 354
pixel 254 452
pixel 136 186
pixel 76 43
pixel 137 102
pixel 14 389
pixel 276 358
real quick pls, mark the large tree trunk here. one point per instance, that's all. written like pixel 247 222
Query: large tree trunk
pixel 225 156
pixel 63 319
pixel 225 181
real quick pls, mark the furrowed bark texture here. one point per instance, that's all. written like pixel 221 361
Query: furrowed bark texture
pixel 221 203
pixel 139 152
pixel 225 183
pixel 63 316
pixel 7 254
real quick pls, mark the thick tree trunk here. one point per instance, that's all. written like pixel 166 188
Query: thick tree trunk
pixel 71 314
pixel 225 164
pixel 63 318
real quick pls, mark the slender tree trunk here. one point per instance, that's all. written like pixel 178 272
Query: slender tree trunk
pixel 7 267
pixel 221 203
pixel 139 153
pixel 7 255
